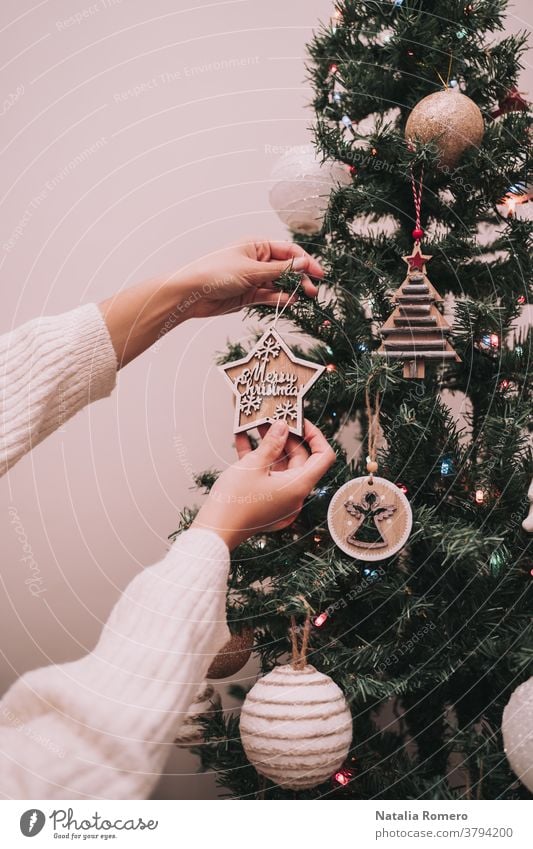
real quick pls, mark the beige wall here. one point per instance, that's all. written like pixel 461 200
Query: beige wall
pixel 155 177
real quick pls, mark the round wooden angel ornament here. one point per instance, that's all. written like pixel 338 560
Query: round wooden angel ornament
pixel 370 518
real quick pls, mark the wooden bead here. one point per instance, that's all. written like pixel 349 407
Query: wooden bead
pixel 372 467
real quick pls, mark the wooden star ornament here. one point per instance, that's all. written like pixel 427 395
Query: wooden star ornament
pixel 269 384
pixel 417 260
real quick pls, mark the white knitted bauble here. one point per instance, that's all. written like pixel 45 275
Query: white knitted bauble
pixel 517 730
pixel 296 727
pixel 191 732
pixel 302 186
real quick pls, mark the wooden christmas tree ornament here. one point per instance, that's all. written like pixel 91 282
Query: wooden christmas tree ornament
pixel 416 331
pixel 270 384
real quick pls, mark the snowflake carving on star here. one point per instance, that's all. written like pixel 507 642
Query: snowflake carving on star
pixel 269 348
pixel 249 403
pixel 285 411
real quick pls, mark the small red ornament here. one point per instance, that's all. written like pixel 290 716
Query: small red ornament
pixel 521 299
pixel 418 234
pixel 342 777
pixel 326 323
pixel 531 572
pixel 403 488
pixel 512 101
pixel 320 619
pixel 331 367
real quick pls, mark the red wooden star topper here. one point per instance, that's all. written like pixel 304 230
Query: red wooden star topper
pixel 512 101
pixel 417 260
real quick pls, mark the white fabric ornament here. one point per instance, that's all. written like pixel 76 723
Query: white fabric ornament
pixel 517 730
pixel 527 524
pixel 296 727
pixel 206 702
pixel 302 186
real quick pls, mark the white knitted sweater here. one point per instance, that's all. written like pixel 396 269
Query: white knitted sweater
pixel 102 726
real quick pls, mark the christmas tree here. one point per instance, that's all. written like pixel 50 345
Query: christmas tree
pixel 427 645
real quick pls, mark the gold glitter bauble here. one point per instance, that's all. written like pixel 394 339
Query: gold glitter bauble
pixel 233 656
pixel 450 120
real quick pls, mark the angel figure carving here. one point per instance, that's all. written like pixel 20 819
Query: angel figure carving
pixel 368 515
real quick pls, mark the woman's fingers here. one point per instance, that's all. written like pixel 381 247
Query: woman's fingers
pixel 308 286
pixel 271 296
pixel 294 455
pixel 282 452
pixel 262 275
pixel 315 439
pixel 288 250
pixel 296 452
pixel 281 464
pixel 321 459
pixel 269 293
pixel 272 447
pixel 242 445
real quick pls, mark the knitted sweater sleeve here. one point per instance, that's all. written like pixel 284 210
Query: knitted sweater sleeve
pixel 101 727
pixel 50 368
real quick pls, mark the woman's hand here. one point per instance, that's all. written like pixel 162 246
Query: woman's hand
pixel 223 282
pixel 265 489
pixel 243 275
